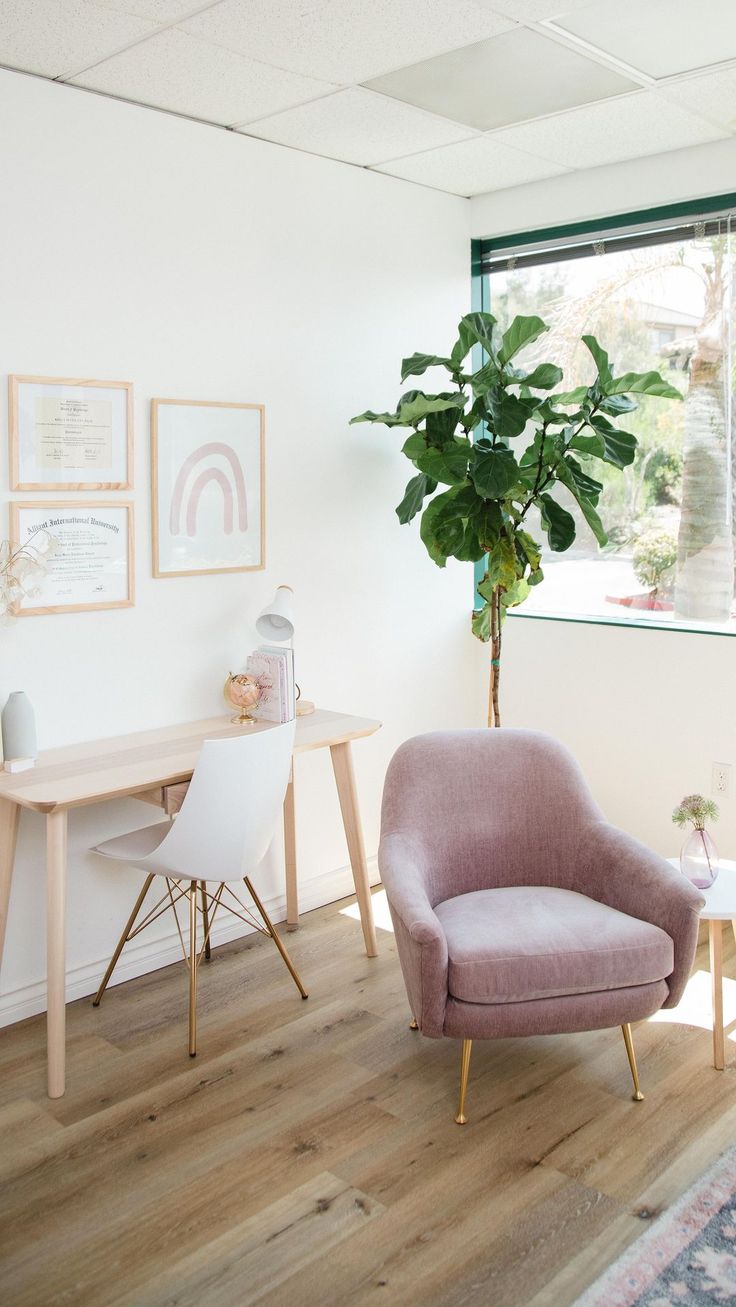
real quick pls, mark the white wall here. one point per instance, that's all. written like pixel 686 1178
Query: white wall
pixel 200 264
pixel 646 712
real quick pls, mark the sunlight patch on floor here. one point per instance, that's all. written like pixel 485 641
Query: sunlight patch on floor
pixel 695 1009
pixel 381 913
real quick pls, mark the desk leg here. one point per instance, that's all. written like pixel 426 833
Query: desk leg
pixel 292 897
pixel 715 932
pixel 342 765
pixel 56 949
pixel 9 819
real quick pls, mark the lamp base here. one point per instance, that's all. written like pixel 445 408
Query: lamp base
pixel 304 707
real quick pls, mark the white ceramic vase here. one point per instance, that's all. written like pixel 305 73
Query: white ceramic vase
pixel 19 727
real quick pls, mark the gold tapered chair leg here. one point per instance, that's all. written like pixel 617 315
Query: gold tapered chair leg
pixel 461 1118
pixel 637 1095
pixel 274 936
pixel 205 921
pixel 122 941
pixel 413 1024
pixel 193 969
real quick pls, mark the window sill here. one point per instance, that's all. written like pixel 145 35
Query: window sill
pixel 646 624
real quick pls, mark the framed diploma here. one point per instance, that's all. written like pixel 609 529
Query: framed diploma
pixel 70 434
pixel 207 479
pixel 91 565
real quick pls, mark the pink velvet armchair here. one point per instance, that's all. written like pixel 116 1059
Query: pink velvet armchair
pixel 518 909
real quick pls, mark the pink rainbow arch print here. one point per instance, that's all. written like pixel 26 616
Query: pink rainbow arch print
pixel 233 489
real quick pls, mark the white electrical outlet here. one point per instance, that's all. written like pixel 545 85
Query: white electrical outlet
pixel 721 778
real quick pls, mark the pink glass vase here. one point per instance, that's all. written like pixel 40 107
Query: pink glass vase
pixel 699 859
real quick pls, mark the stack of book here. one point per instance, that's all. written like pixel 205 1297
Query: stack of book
pixel 274 670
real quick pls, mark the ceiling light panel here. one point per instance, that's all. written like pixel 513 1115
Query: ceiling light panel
pixel 174 71
pixel 507 79
pixel 713 96
pixel 358 126
pixel 472 167
pixel 344 41
pixel 629 128
pixel 660 37
pixel 55 37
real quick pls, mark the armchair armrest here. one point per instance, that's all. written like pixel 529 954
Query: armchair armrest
pixel 420 939
pixel 617 870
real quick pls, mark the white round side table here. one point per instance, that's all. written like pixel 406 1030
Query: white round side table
pixel 720 906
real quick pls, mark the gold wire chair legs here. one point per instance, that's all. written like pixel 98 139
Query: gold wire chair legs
pixel 413 1024
pixel 122 941
pixel 275 937
pixel 205 921
pixel 193 963
pixel 637 1095
pixel 200 901
pixel 461 1118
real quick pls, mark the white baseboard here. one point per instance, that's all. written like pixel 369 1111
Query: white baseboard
pixel 141 956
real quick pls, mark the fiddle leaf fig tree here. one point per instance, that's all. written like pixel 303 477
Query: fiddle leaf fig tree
pixel 498 442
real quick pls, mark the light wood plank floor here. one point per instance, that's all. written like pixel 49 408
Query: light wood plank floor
pixel 308 1156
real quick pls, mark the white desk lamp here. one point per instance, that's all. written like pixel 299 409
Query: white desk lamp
pixel 276 622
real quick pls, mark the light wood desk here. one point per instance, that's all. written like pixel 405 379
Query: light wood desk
pixel 144 765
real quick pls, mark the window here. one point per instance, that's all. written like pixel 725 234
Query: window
pixel 657 295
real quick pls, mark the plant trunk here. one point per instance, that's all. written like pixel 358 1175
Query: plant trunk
pixel 494 712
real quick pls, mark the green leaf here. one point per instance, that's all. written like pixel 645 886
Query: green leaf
pixel 642 383
pixel 600 357
pixel 606 442
pixel 481 625
pixel 388 419
pixel 418 364
pixel 572 475
pixel 415 445
pixel 449 463
pixel 515 595
pixel 529 548
pixel 558 523
pixel 509 413
pixel 494 473
pixel 440 427
pixel 414 410
pixel 485 378
pixel 503 568
pixel 617 404
pixel 414 496
pixel 523 331
pixel 488 522
pixel 544 377
pixel 470 550
pixel 570 396
pixel 477 328
pixel 443 522
pixel 585 484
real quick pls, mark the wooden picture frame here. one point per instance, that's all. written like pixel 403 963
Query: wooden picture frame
pixel 77 577
pixel 208 466
pixel 61 425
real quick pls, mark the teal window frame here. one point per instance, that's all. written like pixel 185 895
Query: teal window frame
pixel 480 247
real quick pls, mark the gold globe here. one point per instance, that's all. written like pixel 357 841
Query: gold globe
pixel 242 692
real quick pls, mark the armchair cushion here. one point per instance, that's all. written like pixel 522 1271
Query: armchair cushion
pixel 513 944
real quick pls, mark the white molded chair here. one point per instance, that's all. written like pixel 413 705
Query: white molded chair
pixel 224 828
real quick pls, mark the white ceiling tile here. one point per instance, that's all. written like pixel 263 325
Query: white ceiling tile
pixel 628 128
pixel 55 37
pixel 175 71
pixel 712 95
pixel 159 11
pixel 517 75
pixel 358 126
pixel 344 41
pixel 531 11
pixel 472 167
pixel 660 37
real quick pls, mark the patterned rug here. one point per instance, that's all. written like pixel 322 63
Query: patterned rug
pixel 688 1256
